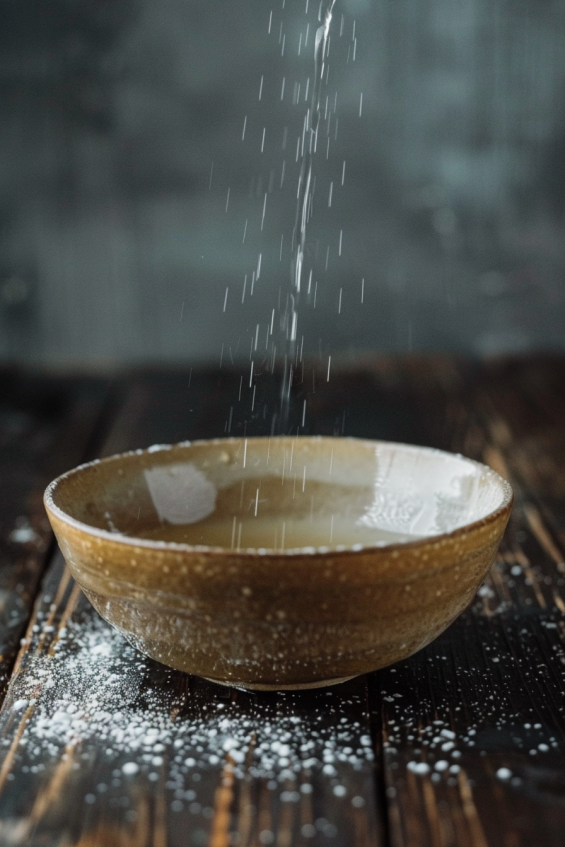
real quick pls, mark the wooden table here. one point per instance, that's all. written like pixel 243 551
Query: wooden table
pixel 461 744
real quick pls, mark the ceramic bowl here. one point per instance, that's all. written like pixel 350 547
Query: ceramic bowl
pixel 392 543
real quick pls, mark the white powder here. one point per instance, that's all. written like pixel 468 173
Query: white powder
pixel 95 694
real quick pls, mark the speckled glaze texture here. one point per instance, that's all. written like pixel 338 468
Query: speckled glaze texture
pixel 274 619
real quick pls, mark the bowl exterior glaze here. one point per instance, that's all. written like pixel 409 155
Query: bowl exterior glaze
pixel 273 621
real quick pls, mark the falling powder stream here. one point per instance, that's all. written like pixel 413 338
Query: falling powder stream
pixel 304 193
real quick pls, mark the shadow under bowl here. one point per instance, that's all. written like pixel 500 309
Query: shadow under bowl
pixel 188 551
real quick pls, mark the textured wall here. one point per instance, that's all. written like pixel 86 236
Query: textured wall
pixel 125 184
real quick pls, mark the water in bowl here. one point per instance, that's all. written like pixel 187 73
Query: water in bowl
pixel 271 511
pixel 273 533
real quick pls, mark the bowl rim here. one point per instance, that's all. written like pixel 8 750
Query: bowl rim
pixel 260 552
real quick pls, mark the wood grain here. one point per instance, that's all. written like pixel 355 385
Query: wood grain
pixel 45 427
pixel 468 734
pixel 217 766
pixel 473 726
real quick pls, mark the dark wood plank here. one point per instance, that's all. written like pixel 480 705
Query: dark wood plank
pixel 494 680
pixel 105 747
pixel 45 427
pixel 474 726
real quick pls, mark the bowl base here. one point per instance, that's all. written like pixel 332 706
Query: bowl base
pixel 297 686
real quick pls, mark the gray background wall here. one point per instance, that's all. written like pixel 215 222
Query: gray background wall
pixel 121 135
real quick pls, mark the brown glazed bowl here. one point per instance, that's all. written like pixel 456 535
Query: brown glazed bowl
pixel 267 617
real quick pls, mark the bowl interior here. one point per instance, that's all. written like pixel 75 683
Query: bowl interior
pixel 280 493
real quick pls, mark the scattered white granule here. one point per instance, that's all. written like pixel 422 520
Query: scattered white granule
pixel 130 768
pixel 418 767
